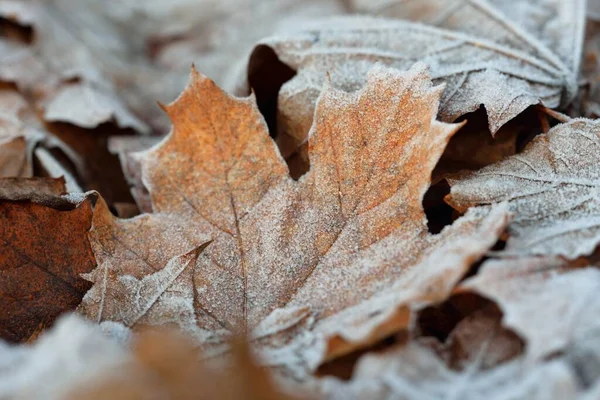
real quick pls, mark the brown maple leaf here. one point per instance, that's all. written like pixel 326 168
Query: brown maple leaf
pixel 334 261
pixel 551 187
pixel 477 70
pixel 43 248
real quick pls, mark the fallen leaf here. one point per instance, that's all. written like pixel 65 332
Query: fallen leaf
pixel 477 70
pixel 552 30
pixel 216 35
pixel 72 354
pixel 482 329
pixel 551 303
pixel 415 372
pixel 551 187
pixel 67 79
pixel 43 248
pixel 343 256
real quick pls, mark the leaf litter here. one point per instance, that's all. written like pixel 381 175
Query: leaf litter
pixel 299 219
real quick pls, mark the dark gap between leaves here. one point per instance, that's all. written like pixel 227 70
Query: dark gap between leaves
pixel 266 75
pixel 343 367
pixel 16 32
pixel 439 320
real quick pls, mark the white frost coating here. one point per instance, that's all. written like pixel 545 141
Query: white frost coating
pixel 552 308
pixel 489 70
pixel 551 30
pixel 415 373
pixel 290 259
pixel 89 107
pixel 72 353
pixel 57 55
pixel 552 187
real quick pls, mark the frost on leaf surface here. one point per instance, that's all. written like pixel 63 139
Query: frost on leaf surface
pixel 504 71
pixel 308 269
pixel 414 372
pixel 551 30
pixel 551 303
pixel 552 187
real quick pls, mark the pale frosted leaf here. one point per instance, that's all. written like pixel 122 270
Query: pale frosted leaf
pixel 127 148
pixel 552 305
pixel 413 372
pixel 552 30
pixel 68 76
pixel 216 35
pixel 72 354
pixel 552 188
pixel 332 262
pixel 475 70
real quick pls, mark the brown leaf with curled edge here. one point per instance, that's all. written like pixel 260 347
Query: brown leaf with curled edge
pixel 552 188
pixel 477 70
pixel 309 270
pixel 25 141
pixel 67 78
pixel 553 304
pixel 43 250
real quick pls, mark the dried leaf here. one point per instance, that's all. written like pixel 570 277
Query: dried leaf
pixel 480 330
pixel 552 30
pixel 44 247
pixel 414 372
pixel 72 354
pixel 66 78
pixel 551 187
pixel 547 301
pixel 332 262
pixel 477 70
pixel 216 35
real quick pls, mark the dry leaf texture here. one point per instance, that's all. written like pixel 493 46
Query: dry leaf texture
pixel 552 188
pixel 288 257
pixel 477 70
pixel 413 372
pixel 43 248
pixel 74 353
pixel 552 304
pixel 69 80
pixel 552 30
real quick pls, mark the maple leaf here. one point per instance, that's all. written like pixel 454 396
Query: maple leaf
pixel 550 302
pixel 61 74
pixel 343 255
pixel 43 248
pixel 477 70
pixel 551 187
